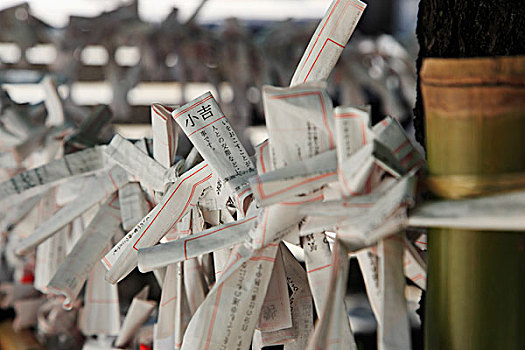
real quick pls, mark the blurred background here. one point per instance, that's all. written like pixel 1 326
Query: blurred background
pixel 130 54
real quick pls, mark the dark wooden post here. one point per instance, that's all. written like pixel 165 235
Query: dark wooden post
pixel 476 279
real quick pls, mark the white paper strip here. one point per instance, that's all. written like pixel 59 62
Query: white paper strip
pixel 73 272
pixel 227 317
pixel 101 313
pixel 51 253
pixel 328 41
pixel 218 237
pixel 17 212
pixel 95 191
pixel 165 137
pixel 179 198
pixel 318 261
pixel 300 301
pixel 300 122
pixel 395 138
pixel 394 328
pixel 369 264
pixel 138 313
pixel 414 266
pixel 275 311
pixel 174 313
pixel 212 135
pixel 375 224
pixel 297 178
pixel 333 331
pixel 79 163
pixel 280 221
pixel 55 112
pixel 136 162
pixel 502 212
pixel 133 204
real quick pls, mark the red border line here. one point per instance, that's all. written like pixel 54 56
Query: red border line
pixel 168 131
pixel 238 198
pixel 418 276
pixel 261 157
pixel 357 6
pixel 319 54
pixel 213 316
pixel 347 115
pixel 264 196
pixel 342 14
pixel 192 106
pixel 318 268
pixel 199 129
pixel 112 181
pixel 400 147
pixel 157 112
pixel 168 301
pixel 108 264
pixel 318 36
pixel 264 227
pixel 262 258
pixel 190 198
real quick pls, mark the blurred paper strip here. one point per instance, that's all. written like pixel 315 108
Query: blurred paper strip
pixel 81 162
pixel 414 266
pixel 26 313
pixel 369 265
pixel 11 292
pixel 95 191
pixel 394 327
pixel 73 272
pixel 133 204
pixel 138 313
pixel 395 138
pixel 136 162
pixel 55 112
pixel 51 253
pixel 101 313
pixel 496 212
pixel 165 137
pixel 328 41
pixel 174 313
pixel 333 331
pixel 17 212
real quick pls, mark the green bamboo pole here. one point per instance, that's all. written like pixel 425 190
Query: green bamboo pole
pixel 475 126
